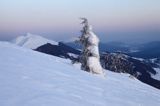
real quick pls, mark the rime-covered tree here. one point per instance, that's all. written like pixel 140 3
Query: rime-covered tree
pixel 89 58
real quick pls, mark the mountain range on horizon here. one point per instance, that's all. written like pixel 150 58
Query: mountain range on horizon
pixel 140 50
pixel 148 69
pixel 144 50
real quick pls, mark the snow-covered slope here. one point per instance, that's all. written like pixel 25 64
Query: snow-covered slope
pixel 32 41
pixel 30 78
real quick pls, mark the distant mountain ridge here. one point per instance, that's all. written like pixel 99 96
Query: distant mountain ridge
pixel 146 50
pixel 32 41
pixel 41 44
pixel 60 50
pixel 141 69
pixel 111 46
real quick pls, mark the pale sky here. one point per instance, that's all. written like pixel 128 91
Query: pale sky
pixel 112 20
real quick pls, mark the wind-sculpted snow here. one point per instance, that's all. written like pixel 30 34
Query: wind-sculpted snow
pixel 30 78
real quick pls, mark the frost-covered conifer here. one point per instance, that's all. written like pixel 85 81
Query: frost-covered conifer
pixel 89 58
